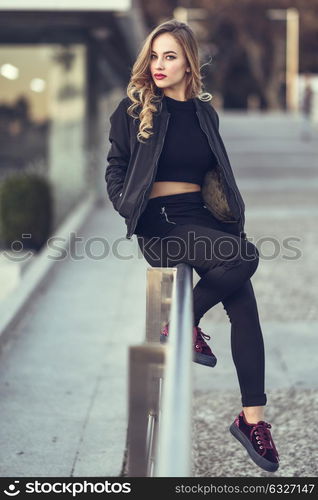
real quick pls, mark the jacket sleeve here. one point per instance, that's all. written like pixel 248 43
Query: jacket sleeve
pixel 119 153
pixel 217 122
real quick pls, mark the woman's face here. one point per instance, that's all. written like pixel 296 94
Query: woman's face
pixel 167 58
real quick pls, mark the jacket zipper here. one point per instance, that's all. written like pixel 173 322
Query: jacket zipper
pixel 163 212
pixel 143 196
pixel 224 170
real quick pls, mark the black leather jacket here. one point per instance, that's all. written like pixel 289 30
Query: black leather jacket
pixel 132 166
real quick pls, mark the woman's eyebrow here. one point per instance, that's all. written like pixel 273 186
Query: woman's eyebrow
pixel 167 51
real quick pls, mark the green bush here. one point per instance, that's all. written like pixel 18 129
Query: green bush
pixel 25 209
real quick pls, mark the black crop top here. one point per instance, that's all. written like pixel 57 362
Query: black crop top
pixel 186 155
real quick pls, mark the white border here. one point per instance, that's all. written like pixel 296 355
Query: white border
pixel 105 5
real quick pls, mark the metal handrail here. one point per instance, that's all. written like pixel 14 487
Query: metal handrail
pixel 174 446
pixel 160 380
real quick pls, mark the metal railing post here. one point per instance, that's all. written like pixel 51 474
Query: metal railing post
pixel 175 440
pixel 160 379
pixel 145 370
pixel 158 300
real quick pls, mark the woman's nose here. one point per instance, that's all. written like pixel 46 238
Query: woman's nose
pixel 159 65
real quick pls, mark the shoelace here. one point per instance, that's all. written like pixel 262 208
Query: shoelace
pixel 199 341
pixel 199 335
pixel 263 437
pixel 165 330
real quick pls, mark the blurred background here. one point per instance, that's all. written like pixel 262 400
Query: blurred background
pixel 64 66
pixel 61 70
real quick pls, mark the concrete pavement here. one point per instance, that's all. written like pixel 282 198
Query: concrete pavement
pixel 277 173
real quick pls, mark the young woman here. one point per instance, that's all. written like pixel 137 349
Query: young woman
pixel 169 176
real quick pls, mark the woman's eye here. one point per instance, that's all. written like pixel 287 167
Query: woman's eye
pixel 153 55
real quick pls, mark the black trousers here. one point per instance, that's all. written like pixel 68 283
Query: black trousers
pixel 179 228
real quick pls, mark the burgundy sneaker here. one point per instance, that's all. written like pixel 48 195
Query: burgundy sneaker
pixel 257 440
pixel 202 353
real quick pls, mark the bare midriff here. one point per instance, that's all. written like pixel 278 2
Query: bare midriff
pixel 165 188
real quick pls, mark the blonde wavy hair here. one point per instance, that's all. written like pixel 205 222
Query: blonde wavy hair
pixel 141 88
